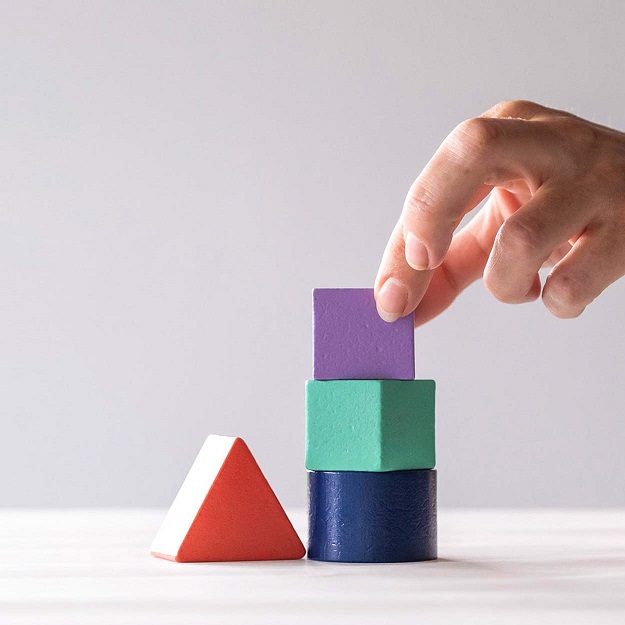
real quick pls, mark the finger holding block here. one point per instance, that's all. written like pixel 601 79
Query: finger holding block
pixel 352 342
pixel 372 517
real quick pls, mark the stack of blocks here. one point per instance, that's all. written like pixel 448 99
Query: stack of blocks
pixel 369 436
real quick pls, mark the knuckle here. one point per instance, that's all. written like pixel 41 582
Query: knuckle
pixel 520 236
pixel 395 247
pixel 582 133
pixel 506 108
pixel 420 204
pixel 477 134
pixel 565 296
pixel 583 147
pixel 513 108
pixel 499 289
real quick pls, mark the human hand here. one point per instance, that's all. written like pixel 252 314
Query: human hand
pixel 557 197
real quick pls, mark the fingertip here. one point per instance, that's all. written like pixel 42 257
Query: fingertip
pixel 563 297
pixel 391 300
pixel 386 316
pixel 416 253
pixel 535 291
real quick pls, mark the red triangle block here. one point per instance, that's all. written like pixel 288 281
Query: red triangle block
pixel 226 511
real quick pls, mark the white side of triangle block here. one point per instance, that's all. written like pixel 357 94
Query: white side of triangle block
pixel 192 494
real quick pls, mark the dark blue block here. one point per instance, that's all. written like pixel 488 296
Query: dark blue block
pixel 357 516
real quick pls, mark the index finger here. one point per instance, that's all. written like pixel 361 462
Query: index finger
pixel 477 155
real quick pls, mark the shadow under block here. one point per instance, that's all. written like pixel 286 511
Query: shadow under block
pixel 370 425
pixel 226 511
pixel 352 342
pixel 372 517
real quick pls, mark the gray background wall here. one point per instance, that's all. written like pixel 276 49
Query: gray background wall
pixel 175 177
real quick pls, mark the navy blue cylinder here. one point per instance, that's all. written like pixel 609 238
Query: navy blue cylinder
pixel 357 516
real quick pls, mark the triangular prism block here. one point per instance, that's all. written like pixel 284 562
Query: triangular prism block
pixel 226 511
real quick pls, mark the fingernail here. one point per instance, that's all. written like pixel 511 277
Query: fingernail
pixel 392 300
pixel 416 254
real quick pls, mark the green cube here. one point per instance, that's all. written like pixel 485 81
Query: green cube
pixel 369 425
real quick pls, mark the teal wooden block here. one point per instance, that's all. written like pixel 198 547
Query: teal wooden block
pixel 369 425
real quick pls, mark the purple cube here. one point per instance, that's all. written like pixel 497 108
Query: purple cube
pixel 351 342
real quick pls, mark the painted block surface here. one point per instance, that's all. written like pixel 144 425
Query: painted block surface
pixel 370 425
pixel 372 517
pixel 352 342
pixel 225 511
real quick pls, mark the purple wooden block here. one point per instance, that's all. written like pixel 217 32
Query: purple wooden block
pixel 351 342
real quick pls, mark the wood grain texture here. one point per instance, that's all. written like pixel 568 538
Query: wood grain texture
pixel 372 517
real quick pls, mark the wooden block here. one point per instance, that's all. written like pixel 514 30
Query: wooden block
pixel 372 517
pixel 370 425
pixel 352 342
pixel 225 511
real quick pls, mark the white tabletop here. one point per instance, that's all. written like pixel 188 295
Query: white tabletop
pixel 531 567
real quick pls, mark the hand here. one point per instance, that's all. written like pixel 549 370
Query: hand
pixel 557 197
